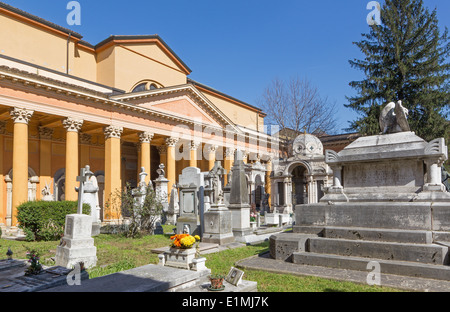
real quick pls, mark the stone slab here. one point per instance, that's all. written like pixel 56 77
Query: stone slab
pixel 386 215
pixel 148 278
pixel 439 272
pixel 265 263
pixel 16 281
pixel 283 245
pixel 423 253
pixel 383 235
pixel 244 286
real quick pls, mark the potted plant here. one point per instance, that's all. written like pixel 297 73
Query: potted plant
pixel 216 282
pixel 35 267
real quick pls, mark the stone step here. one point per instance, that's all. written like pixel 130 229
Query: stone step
pixel 382 235
pixel 422 253
pixel 375 234
pixel 402 268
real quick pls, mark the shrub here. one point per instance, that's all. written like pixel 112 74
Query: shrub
pixel 141 218
pixel 44 220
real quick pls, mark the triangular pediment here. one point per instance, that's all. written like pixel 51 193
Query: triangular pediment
pixel 184 101
pixel 182 107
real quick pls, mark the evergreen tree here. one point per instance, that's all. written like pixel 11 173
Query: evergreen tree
pixel 406 58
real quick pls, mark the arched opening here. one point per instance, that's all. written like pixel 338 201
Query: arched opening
pixel 259 191
pixel 299 186
pixel 60 183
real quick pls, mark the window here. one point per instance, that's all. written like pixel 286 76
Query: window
pixel 153 86
pixel 140 87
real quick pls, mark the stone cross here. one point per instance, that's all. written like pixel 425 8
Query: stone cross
pixel 82 179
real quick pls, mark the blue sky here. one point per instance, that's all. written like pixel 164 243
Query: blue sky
pixel 239 46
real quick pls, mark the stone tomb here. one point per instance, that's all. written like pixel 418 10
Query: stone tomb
pixel 386 204
pixel 77 244
pixel 218 222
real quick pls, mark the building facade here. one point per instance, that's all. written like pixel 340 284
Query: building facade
pixel 117 106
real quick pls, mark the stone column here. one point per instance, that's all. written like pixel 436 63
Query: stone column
pixel 85 142
pixel 45 156
pixel 211 150
pixel 434 176
pixel 228 163
pixel 72 127
pixel 268 185
pixel 145 139
pixel 193 153
pixel 21 117
pixel 3 209
pixel 337 176
pixel 113 171
pixel 162 150
pixel 171 163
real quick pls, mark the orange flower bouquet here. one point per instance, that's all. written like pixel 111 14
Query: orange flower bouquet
pixel 184 241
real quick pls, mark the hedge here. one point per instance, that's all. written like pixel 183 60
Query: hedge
pixel 45 220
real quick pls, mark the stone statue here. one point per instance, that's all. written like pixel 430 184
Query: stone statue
pixel 46 194
pixel 393 118
pixel 445 179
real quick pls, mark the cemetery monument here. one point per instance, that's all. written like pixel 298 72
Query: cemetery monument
pixel 387 204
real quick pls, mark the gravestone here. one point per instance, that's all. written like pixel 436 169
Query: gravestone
pixel 190 182
pixel 218 220
pixel 234 277
pixel 77 244
pixel 239 201
pixel 174 209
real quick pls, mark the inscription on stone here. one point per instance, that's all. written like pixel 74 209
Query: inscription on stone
pixel 395 173
pixel 188 202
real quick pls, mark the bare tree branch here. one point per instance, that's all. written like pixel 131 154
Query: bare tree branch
pixel 298 105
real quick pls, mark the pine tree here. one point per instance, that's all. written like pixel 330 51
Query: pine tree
pixel 406 58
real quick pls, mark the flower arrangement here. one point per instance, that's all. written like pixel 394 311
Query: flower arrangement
pixel 35 267
pixel 184 241
pixel 253 217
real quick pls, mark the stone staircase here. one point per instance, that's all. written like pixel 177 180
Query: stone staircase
pixel 412 253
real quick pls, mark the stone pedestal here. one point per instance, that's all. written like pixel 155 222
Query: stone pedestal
pixel 218 225
pixel 179 258
pixel 77 245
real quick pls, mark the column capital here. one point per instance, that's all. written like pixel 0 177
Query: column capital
pixel 229 152
pixel 194 145
pixel 162 149
pixel 85 138
pixel 21 115
pixel 45 133
pixel 145 137
pixel 113 132
pixel 212 149
pixel 172 141
pixel 72 124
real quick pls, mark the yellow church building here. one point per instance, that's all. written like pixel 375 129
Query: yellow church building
pixel 117 106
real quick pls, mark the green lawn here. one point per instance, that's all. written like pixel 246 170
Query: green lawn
pixel 116 253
